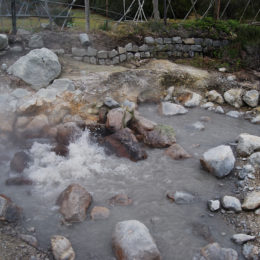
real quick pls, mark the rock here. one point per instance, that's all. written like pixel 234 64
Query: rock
pixel 31 240
pixel 124 144
pixel 132 240
pixel 8 210
pixel 231 203
pixel 3 41
pixel 251 201
pixel 99 213
pixel 79 52
pixel 74 202
pixel 149 40
pixel 143 124
pixel 129 47
pixel 198 126
pixel 84 39
pixel 255 159
pixel 234 97
pixel 247 169
pixel 19 162
pixel 61 149
pixel 219 110
pixel 251 98
pixel 170 109
pixel 38 68
pixel 111 103
pixel 181 197
pixel 18 181
pixel 150 95
pixel 214 96
pixel 208 105
pixel 242 238
pixel 214 205
pixel 176 152
pixel 4 67
pixel 129 106
pixel 66 133
pixel 219 160
pixel 117 119
pixel 234 114
pixel 169 96
pixel 251 252
pixel 231 77
pixel 120 200
pixel 36 42
pixel 61 85
pixel 213 251
pixel 247 144
pixel 61 248
pixel 256 120
pixel 161 136
pixel 189 99
pixel 222 69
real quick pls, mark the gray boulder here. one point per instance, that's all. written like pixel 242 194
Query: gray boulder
pixel 231 203
pixel 251 98
pixel 38 68
pixel 171 109
pixel 61 248
pixel 132 240
pixel 3 41
pixel 247 144
pixel 242 238
pixel 84 39
pixel 36 42
pixel 234 97
pixel 219 160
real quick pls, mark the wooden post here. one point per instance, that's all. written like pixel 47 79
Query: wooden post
pixel 165 12
pixel 13 11
pixel 87 14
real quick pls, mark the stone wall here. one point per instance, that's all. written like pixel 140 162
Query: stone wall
pixel 175 47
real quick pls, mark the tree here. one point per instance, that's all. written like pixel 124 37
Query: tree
pixel 156 12
pixel 217 9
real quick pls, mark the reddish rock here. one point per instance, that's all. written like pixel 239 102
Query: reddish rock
pixel 124 144
pixel 99 213
pixel 176 152
pixel 120 200
pixel 103 115
pixel 61 149
pixel 74 202
pixel 162 136
pixel 8 210
pixel 66 133
pixel 19 162
pixel 18 181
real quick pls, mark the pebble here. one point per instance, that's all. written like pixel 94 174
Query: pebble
pixel 214 205
pixel 242 238
pixel 219 110
pixel 231 203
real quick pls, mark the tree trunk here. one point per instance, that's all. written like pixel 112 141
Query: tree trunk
pixel 156 12
pixel 13 11
pixel 217 9
pixel 87 15
pixel 165 12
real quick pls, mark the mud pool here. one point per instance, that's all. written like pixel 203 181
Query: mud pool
pixel 179 230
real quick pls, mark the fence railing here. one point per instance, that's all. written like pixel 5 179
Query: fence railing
pixel 34 14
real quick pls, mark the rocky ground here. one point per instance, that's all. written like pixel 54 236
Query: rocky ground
pixel 57 101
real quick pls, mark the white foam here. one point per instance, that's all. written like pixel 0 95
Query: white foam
pixel 85 163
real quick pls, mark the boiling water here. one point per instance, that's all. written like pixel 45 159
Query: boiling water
pixel 179 230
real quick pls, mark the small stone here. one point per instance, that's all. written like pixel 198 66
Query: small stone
pixel 112 53
pixel 84 39
pixel 111 103
pixel 170 109
pixel 19 162
pixel 198 126
pixel 214 205
pixel 189 99
pixel 120 200
pixel 176 152
pixel 234 97
pixel 99 213
pixel 251 201
pixel 36 42
pixel 242 238
pixel 149 40
pixel 219 110
pixel 231 203
pixel 181 197
pixel 247 144
pixel 31 240
pixel 3 41
pixel 251 252
pixel 207 105
pixel 78 52
pixel 234 114
pixel 222 70
pixel 251 98
pixel 129 47
pixel 61 248
pixel 102 54
pixel 91 52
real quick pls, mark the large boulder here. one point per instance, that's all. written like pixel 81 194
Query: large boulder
pixel 234 97
pixel 189 99
pixel 38 68
pixel 8 210
pixel 61 248
pixel 247 144
pixel 124 144
pixel 213 251
pixel 251 98
pixel 214 96
pixel 161 136
pixel 219 160
pixel 74 202
pixel 132 240
pixel 3 41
